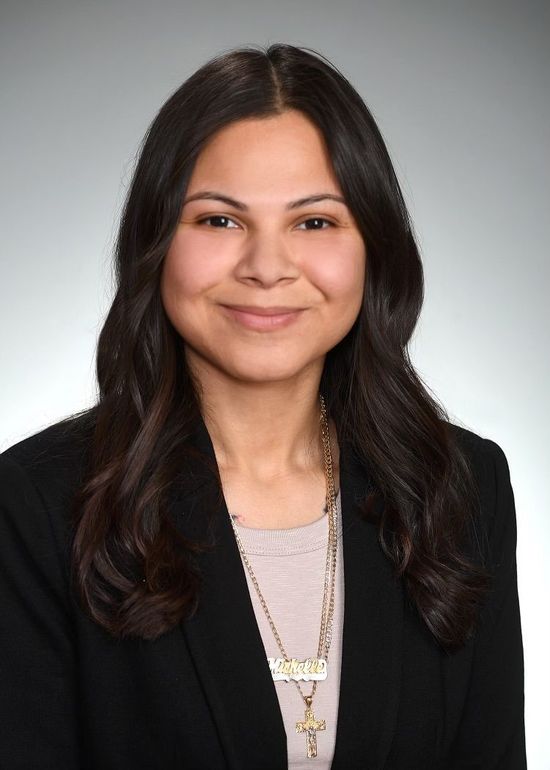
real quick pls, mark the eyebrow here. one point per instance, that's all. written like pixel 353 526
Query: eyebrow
pixel 211 195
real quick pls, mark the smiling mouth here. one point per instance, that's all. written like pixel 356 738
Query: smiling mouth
pixel 263 318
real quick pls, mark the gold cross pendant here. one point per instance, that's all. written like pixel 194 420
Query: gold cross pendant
pixel 309 726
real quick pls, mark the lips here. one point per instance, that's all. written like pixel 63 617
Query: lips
pixel 263 318
pixel 255 310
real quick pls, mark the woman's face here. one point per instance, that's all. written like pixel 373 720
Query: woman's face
pixel 264 274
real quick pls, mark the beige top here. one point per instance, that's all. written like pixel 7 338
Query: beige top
pixel 289 565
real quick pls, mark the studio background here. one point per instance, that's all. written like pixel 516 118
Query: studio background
pixel 460 92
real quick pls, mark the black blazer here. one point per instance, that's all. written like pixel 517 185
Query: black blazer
pixel 201 696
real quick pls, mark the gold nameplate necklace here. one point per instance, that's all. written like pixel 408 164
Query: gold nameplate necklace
pixel 291 669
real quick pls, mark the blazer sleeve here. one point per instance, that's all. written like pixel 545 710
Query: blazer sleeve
pixel 492 733
pixel 38 704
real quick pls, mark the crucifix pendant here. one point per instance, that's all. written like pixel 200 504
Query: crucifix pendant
pixel 309 726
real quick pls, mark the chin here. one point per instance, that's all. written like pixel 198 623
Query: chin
pixel 265 373
pixel 254 363
pixel 267 366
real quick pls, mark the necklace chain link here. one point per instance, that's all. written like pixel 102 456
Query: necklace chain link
pixel 327 611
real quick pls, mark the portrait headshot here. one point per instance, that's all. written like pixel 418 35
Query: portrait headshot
pixel 275 422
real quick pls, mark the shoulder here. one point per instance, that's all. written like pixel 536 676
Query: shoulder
pixel 38 479
pixel 485 457
pixel 52 459
pixel 495 526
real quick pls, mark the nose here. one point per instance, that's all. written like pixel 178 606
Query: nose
pixel 267 260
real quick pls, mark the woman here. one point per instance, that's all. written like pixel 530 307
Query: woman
pixel 173 559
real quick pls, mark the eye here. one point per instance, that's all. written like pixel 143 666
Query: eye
pixel 317 223
pixel 218 221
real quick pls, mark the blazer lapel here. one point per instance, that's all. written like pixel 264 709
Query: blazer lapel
pixel 372 635
pixel 223 636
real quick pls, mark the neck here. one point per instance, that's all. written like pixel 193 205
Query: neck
pixel 263 429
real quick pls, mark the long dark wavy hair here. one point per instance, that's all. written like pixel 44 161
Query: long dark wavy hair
pixel 133 571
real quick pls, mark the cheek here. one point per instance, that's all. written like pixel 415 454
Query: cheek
pixel 339 272
pixel 189 269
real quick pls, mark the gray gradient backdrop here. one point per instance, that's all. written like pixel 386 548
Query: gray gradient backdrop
pixel 460 91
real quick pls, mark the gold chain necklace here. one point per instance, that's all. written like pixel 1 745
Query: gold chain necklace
pixel 310 724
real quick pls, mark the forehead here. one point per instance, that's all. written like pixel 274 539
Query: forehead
pixel 284 153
